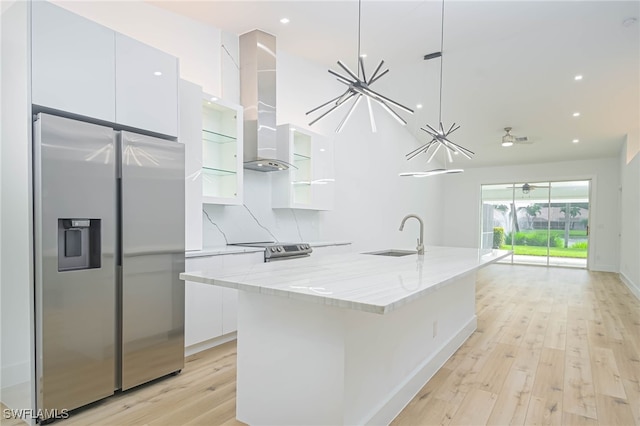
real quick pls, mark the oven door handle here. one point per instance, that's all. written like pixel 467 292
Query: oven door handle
pixel 297 256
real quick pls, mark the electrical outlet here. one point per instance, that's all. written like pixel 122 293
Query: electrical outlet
pixel 435 328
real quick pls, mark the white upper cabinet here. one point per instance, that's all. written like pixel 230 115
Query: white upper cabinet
pixel 309 184
pixel 222 172
pixel 146 87
pixel 81 67
pixel 190 135
pixel 73 63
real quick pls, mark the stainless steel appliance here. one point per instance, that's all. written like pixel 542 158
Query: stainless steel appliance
pixel 280 251
pixel 109 245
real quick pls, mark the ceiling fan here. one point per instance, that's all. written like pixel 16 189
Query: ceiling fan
pixel 508 139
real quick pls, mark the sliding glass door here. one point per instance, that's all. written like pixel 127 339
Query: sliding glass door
pixel 544 223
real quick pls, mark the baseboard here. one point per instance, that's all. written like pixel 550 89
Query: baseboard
pixel 603 268
pixel 208 344
pixel 15 374
pixel 407 390
pixel 634 288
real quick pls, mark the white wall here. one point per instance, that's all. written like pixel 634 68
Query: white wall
pixel 370 198
pixel 629 208
pixel 16 374
pixel 462 202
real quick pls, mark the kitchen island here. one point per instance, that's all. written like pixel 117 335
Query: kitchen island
pixel 347 339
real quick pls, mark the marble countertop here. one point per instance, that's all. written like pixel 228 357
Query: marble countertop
pixel 365 282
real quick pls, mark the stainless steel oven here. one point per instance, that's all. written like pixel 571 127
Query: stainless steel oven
pixel 281 251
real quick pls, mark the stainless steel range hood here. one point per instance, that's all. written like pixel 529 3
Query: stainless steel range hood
pixel 258 97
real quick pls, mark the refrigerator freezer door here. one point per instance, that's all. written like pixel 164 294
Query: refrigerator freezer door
pixel 75 224
pixel 153 256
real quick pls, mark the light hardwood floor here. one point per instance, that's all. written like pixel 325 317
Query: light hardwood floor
pixel 553 346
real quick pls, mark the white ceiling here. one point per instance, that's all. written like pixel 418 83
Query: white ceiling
pixel 506 63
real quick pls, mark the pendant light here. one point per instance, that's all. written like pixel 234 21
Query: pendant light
pixel 439 137
pixel 358 86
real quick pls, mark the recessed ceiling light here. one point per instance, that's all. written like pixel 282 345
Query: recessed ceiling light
pixel 363 55
pixel 322 150
pixel 507 144
pixel 576 114
pixel 577 77
pixel 284 21
pixel 419 106
pixel 213 99
pixel 575 140
pixel 157 73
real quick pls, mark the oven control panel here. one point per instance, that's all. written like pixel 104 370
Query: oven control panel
pixel 283 251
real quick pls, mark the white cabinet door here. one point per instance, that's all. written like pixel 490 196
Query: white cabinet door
pixel 309 184
pixel 323 173
pixel 190 134
pixel 222 139
pixel 203 305
pixel 73 63
pixel 146 87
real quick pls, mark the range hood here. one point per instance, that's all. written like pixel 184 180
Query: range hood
pixel 258 97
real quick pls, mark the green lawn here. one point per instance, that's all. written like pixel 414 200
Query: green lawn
pixel 553 251
pixel 559 232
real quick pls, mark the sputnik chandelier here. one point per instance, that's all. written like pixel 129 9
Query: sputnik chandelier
pixel 358 86
pixel 439 137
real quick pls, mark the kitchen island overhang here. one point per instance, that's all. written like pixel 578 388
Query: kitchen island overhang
pixel 347 339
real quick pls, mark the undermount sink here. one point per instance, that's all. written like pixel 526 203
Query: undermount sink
pixel 392 253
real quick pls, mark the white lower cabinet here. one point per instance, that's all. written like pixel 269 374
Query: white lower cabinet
pixel 211 311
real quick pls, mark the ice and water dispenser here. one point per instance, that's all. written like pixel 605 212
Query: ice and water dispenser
pixel 78 244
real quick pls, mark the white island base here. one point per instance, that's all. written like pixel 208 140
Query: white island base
pixel 302 363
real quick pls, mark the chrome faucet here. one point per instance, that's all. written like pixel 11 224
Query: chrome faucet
pixel 420 246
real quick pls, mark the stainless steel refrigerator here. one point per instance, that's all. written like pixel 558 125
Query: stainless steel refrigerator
pixel 109 245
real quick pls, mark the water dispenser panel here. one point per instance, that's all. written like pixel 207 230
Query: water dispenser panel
pixel 79 244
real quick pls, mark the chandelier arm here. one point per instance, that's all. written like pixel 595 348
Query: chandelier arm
pixel 346 117
pixel 325 104
pixel 372 120
pixel 420 148
pixel 435 132
pixel 361 63
pixel 344 97
pixel 373 80
pixel 429 132
pixel 459 148
pixel 462 148
pixel 441 128
pixel 434 153
pixel 418 153
pixel 328 112
pixel 346 68
pixel 373 76
pixel 394 114
pixel 452 126
pixel 341 77
pixel 449 155
pixel 375 95
pixel 451 131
